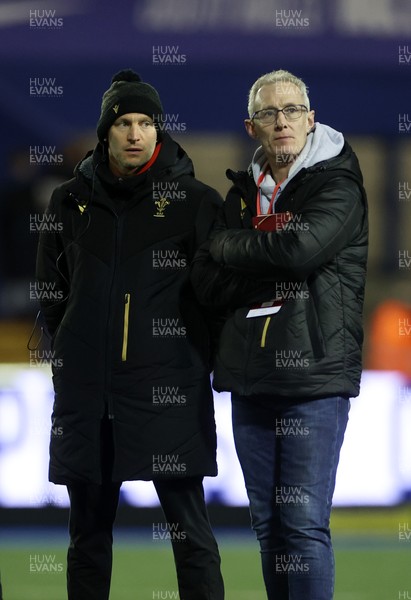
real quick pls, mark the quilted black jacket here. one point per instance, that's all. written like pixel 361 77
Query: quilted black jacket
pixel 315 266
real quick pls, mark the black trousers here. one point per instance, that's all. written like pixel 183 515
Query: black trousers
pixel 92 514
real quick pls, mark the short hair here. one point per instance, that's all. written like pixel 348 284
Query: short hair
pixel 279 76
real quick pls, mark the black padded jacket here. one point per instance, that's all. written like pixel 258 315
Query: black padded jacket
pixel 316 266
pixel 129 339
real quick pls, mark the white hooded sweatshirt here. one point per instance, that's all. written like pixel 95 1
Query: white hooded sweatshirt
pixel 323 143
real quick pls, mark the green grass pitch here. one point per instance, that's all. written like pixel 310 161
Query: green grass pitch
pixel 372 563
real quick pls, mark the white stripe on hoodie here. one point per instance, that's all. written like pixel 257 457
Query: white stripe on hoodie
pixel 322 143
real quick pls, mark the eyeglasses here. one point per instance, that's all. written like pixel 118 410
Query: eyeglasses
pixel 267 116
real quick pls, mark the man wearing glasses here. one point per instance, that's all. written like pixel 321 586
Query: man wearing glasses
pixel 287 260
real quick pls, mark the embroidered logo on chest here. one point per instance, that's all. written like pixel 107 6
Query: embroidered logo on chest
pixel 161 206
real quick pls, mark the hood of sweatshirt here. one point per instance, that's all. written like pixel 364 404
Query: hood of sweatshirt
pixel 323 143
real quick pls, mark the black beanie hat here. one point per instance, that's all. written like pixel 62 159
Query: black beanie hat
pixel 127 94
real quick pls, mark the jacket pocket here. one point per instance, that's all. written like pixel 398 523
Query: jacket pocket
pixel 125 327
pixel 314 330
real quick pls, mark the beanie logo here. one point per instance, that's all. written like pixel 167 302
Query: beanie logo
pixel 116 107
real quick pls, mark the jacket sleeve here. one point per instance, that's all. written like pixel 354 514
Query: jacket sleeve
pixel 51 271
pixel 219 286
pixel 210 205
pixel 327 223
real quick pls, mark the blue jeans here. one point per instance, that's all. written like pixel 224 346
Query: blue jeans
pixel 289 451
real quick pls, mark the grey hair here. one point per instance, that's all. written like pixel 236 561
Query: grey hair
pixel 279 76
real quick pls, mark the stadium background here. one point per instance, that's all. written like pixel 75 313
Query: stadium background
pixel 57 58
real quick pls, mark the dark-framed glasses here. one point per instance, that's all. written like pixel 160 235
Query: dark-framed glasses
pixel 267 116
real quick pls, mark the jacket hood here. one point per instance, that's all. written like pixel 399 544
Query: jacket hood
pixel 171 163
pixel 323 143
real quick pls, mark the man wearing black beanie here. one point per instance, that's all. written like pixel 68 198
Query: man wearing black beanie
pixel 133 399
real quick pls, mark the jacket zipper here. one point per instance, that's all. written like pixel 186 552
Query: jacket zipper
pixel 264 334
pixel 125 327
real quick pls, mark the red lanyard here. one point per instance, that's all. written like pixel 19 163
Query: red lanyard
pixel 277 187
